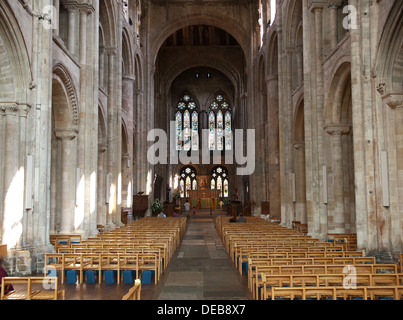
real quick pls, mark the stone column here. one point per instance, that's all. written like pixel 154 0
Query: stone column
pixel 300 67
pixel 56 4
pixel 300 185
pixel 71 22
pixel 317 10
pixel 68 175
pixel 102 67
pixel 111 140
pixel 274 167
pixel 13 178
pixel 333 8
pixel 337 131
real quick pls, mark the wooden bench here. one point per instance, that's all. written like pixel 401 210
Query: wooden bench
pixel 135 292
pixel 30 293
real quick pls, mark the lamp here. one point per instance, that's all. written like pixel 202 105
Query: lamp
pixel 3 250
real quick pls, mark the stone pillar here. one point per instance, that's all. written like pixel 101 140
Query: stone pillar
pixel 300 67
pixel 317 10
pixel 111 141
pixel 333 8
pixel 56 4
pixel 13 178
pixel 71 34
pixel 336 223
pixel 102 67
pixel 300 182
pixel 68 175
pixel 273 167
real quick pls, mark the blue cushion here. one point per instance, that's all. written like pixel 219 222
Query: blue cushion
pixel 90 276
pixel 109 277
pixel 127 276
pixel 146 277
pixel 71 276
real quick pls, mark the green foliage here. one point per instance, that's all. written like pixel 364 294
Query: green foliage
pixel 156 206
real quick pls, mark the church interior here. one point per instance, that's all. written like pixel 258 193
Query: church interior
pixel 286 114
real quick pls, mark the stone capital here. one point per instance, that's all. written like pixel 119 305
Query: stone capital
pixel 314 5
pixel 102 148
pixel 66 134
pixel 393 99
pixel 11 109
pixel 271 78
pixel 334 4
pixel 70 6
pixel 15 109
pixel 85 8
pixel 112 51
pixel 299 145
pixel 337 128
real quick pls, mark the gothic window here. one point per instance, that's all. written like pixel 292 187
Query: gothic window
pixel 220 124
pixel 187 124
pixel 188 181
pixel 219 181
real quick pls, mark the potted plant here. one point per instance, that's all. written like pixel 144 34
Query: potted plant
pixel 156 206
pixel 176 197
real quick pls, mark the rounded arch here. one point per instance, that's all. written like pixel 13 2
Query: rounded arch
pixel 107 20
pixel 390 48
pixel 299 122
pixel 272 55
pixel 63 83
pixel 293 19
pixel 14 58
pixel 219 64
pixel 229 25
pixel 127 53
pixel 336 93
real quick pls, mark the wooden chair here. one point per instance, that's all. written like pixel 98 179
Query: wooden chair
pixel 320 293
pixel 359 293
pixel 383 292
pixel 280 293
pixel 29 293
pixel 135 292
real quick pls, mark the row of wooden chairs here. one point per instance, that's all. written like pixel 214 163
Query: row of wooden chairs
pixel 333 293
pixel 274 257
pixel 36 288
pixel 257 273
pixel 99 263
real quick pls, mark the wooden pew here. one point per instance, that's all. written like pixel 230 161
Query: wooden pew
pixel 30 293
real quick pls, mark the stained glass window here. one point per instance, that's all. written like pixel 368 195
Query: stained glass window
pixel 178 131
pixel 220 124
pixel 182 188
pixel 186 131
pixel 195 131
pixel 228 131
pixel 212 131
pixel 220 131
pixel 188 181
pixel 226 188
pixel 220 181
pixel 187 124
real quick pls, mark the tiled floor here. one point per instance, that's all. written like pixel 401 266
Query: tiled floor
pixel 199 270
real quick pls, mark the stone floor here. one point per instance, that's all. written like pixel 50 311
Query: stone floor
pixel 199 270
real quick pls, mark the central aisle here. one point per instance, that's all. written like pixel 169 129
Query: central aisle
pixel 201 269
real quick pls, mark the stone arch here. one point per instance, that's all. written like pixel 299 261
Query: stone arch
pixel 65 99
pixel 229 25
pixel 107 17
pixel 339 151
pixel 14 60
pixel 127 54
pixel 299 161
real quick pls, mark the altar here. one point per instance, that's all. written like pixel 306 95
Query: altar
pixel 202 199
